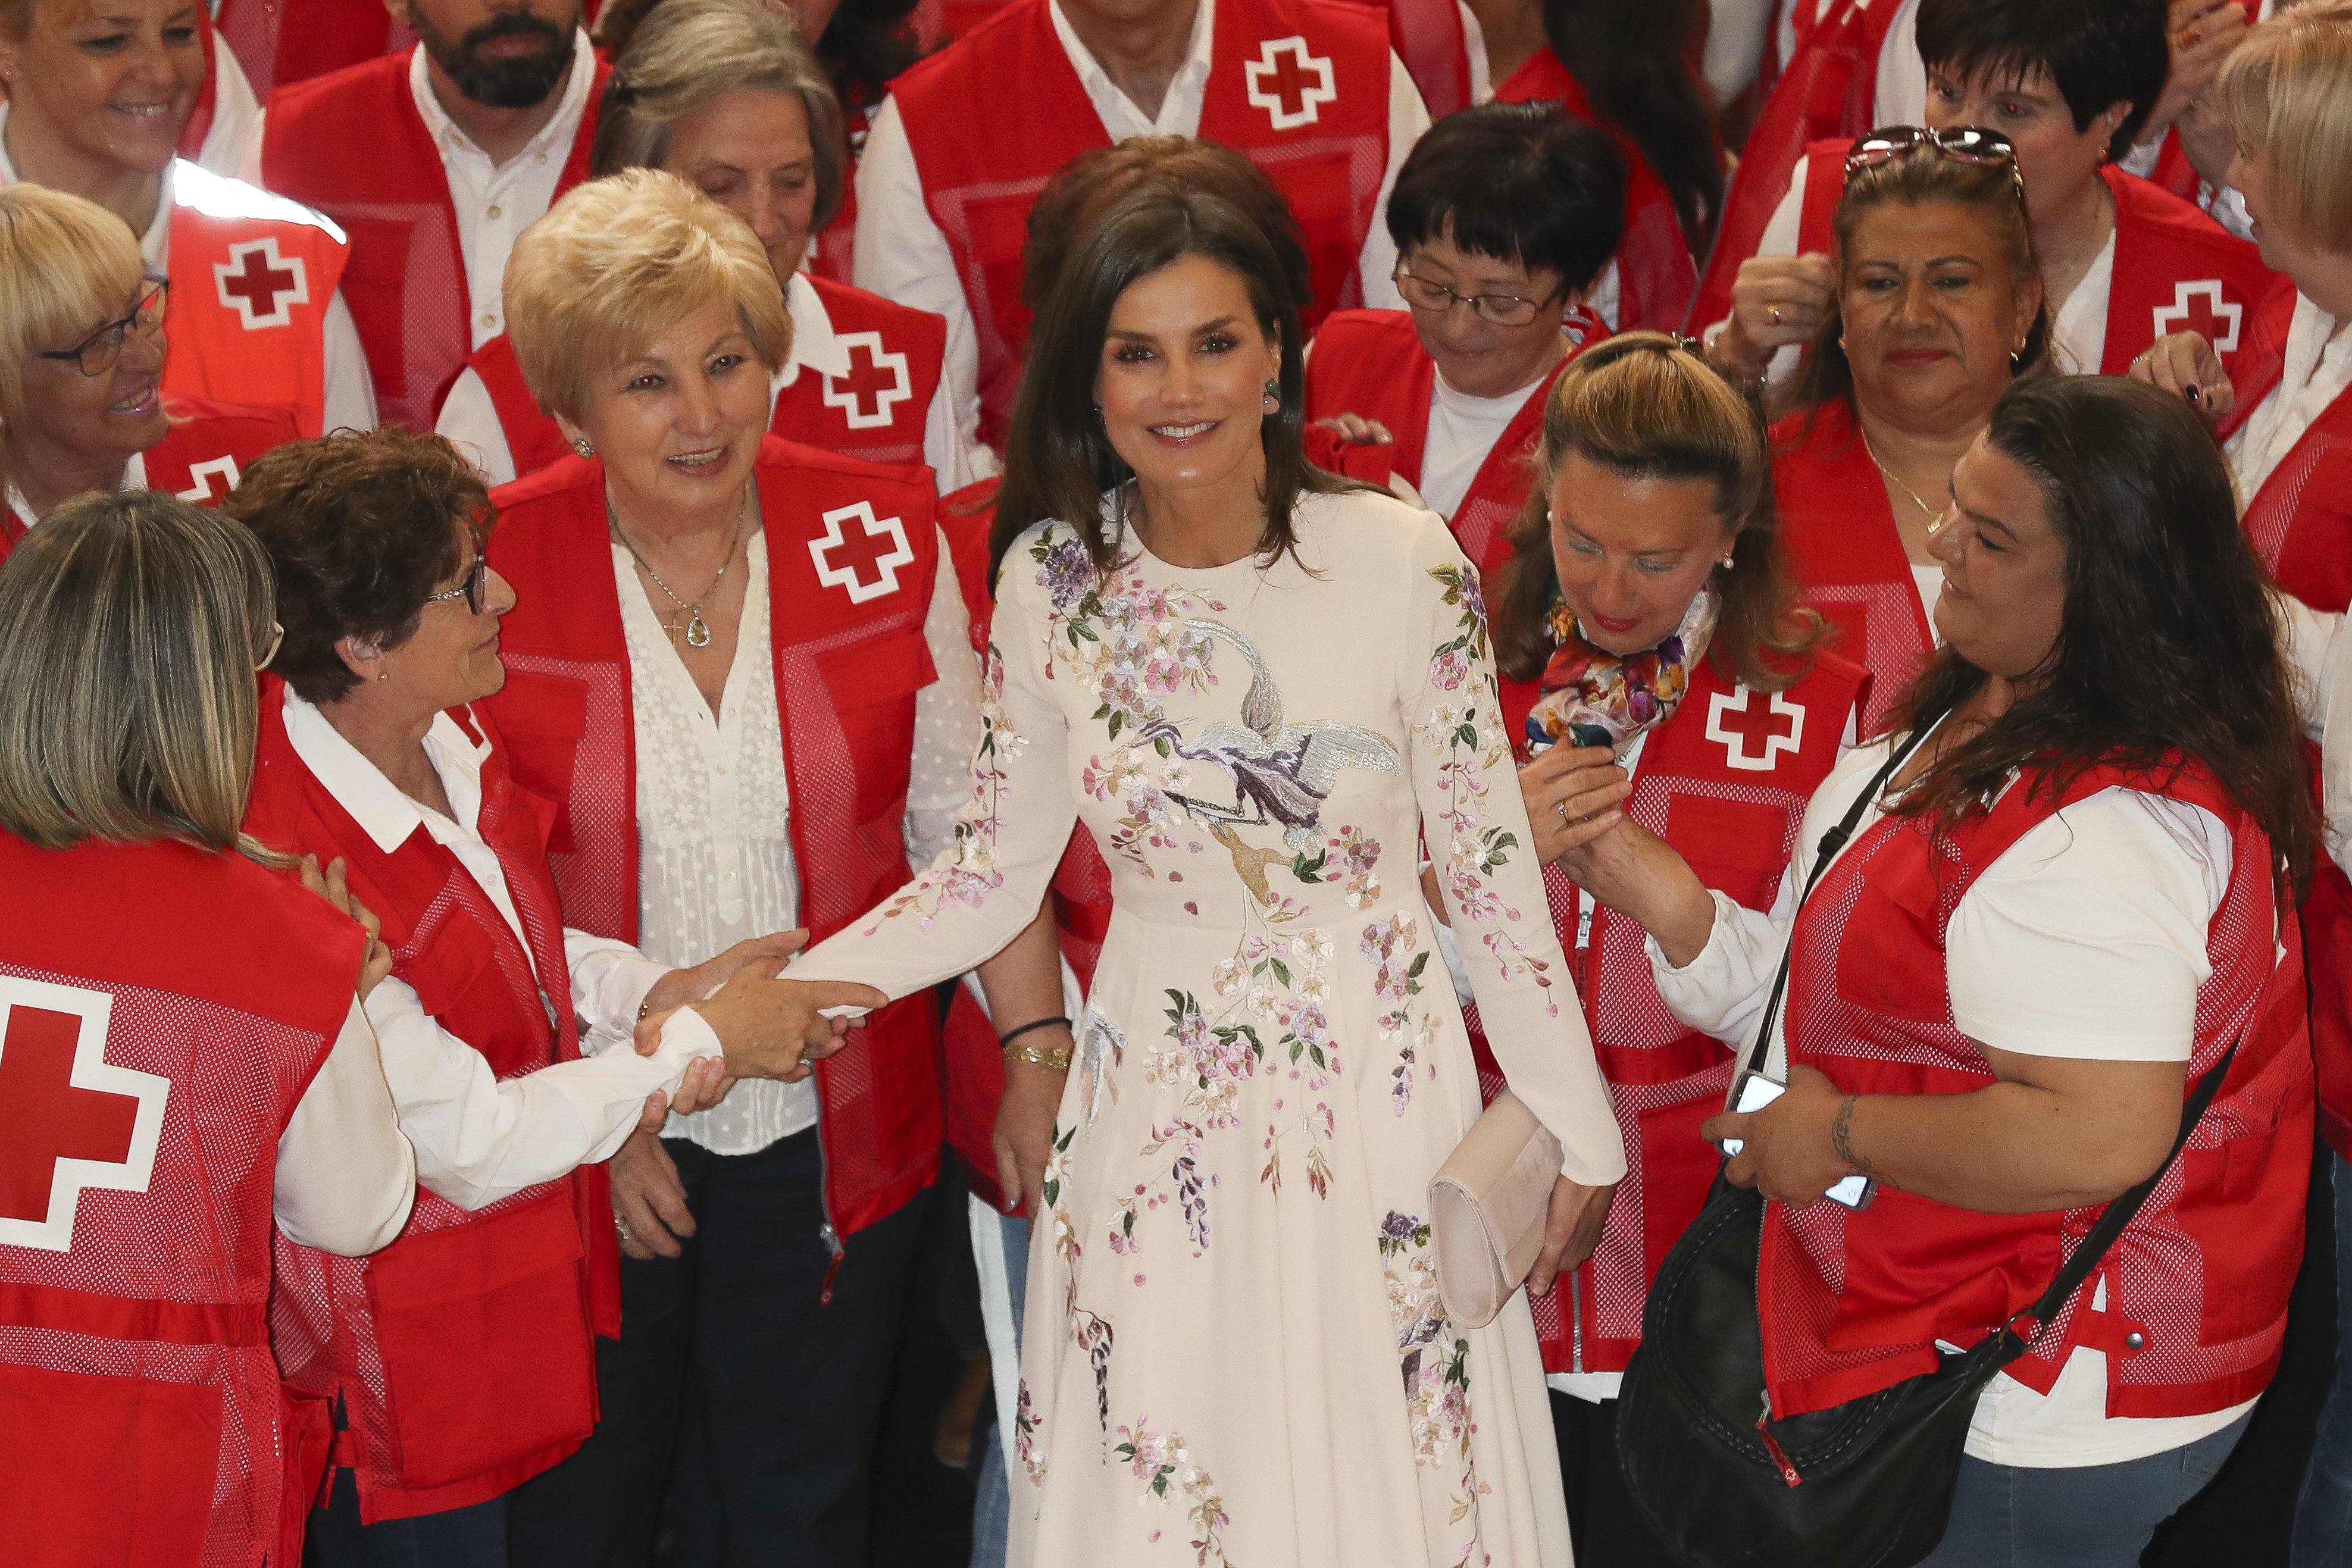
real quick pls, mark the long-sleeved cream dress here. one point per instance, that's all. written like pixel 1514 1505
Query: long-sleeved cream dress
pixel 1235 1353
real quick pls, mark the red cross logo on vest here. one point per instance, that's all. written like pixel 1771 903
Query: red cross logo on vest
pixel 2211 317
pixel 69 1119
pixel 1288 83
pixel 873 374
pixel 876 543
pixel 221 468
pixel 1734 719
pixel 261 285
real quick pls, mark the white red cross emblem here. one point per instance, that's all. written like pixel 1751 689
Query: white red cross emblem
pixel 877 545
pixel 221 468
pixel 1734 718
pixel 261 285
pixel 69 1122
pixel 874 373
pixel 1288 83
pixel 2211 317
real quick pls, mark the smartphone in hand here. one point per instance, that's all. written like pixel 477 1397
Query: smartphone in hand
pixel 1753 1092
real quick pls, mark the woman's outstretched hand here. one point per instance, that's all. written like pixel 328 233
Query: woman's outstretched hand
pixel 1637 873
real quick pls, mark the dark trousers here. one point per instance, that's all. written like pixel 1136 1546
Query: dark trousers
pixel 472 1536
pixel 756 1404
pixel 1602 1521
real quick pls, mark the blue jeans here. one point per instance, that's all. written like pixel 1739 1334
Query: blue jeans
pixel 992 1505
pixel 2093 1516
pixel 2323 1519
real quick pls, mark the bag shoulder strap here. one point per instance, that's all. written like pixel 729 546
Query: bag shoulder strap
pixel 1825 852
pixel 2120 1211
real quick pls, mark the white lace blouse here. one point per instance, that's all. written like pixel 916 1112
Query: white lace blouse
pixel 714 808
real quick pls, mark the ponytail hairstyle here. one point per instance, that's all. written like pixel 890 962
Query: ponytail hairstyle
pixel 1633 59
pixel 1648 406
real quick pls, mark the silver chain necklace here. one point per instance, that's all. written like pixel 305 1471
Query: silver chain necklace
pixel 697 629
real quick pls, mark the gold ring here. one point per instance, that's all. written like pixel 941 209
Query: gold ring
pixel 1561 807
pixel 1774 311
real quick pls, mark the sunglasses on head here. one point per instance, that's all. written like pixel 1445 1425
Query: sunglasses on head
pixel 1972 144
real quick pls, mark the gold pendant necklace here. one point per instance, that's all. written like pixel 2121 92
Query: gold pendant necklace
pixel 697 629
pixel 1935 518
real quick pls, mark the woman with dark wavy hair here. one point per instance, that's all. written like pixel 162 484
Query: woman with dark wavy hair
pixel 1255 683
pixel 2074 897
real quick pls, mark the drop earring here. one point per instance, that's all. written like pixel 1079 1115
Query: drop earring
pixel 580 444
pixel 1274 391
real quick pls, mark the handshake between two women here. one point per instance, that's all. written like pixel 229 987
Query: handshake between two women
pixel 766 1024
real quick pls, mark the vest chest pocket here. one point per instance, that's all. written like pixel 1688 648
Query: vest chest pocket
pixel 1890 931
pixel 1736 846
pixel 484 1332
pixel 541 720
pixel 871 687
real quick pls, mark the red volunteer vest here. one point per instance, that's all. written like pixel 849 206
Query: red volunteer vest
pixel 2197 1285
pixel 252 275
pixel 1081 886
pixel 1369 362
pixel 877 412
pixel 201 457
pixel 1654 272
pixel 1300 85
pixel 1427 36
pixel 461 1355
pixel 2300 523
pixel 2176 269
pixel 1829 88
pixel 279 45
pixel 852 551
pixel 352 144
pixel 1849 561
pixel 162 1012
pixel 1726 782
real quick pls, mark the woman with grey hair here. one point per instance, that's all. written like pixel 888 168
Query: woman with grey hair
pixel 727 94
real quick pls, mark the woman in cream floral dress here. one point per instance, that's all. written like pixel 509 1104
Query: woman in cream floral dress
pixel 1264 692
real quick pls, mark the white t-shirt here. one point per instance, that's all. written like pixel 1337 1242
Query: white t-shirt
pixel 2086 939
pixel 1462 430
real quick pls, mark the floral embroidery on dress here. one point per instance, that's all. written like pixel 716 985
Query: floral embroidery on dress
pixel 1434 1358
pixel 1394 949
pixel 1164 1463
pixel 1467 737
pixel 1028 1447
pixel 1102 1047
pixel 966 873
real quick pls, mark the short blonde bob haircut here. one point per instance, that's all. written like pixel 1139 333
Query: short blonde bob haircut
pixel 130 625
pixel 71 267
pixel 617 263
pixel 690 53
pixel 2287 93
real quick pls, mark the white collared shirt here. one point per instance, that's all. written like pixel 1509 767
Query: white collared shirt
pixel 350 391
pixel 2317 369
pixel 902 255
pixel 469 419
pixel 715 862
pixel 494 202
pixel 479 1139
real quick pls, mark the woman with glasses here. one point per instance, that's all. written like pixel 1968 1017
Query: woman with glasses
pixel 96 99
pixel 1503 216
pixel 188 1056
pixel 1939 306
pixel 2066 88
pixel 82 361
pixel 519 1052
pixel 1654 666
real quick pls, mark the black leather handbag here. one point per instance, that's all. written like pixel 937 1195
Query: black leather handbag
pixel 1865 1484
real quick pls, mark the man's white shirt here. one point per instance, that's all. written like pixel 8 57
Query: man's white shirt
pixel 902 255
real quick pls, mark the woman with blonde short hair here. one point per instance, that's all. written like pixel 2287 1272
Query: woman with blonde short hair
pixel 81 364
pixel 726 95
pixel 740 669
pixel 187 1060
pixel 2286 416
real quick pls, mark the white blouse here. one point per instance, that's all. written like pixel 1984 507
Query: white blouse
pixel 715 863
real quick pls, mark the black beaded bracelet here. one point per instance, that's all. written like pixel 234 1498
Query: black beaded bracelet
pixel 1042 1023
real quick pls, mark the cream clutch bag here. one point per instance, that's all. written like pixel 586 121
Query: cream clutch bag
pixel 1487 1204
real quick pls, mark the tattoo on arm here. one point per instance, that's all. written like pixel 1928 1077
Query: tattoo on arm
pixel 1841 1142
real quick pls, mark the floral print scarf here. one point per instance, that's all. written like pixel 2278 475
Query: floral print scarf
pixel 1593 698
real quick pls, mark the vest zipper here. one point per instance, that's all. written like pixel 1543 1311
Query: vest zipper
pixel 826 1230
pixel 1576 1318
pixel 1781 1460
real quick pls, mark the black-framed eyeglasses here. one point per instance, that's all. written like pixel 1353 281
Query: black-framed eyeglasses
pixel 95 355
pixel 1495 309
pixel 1972 144
pixel 475 590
